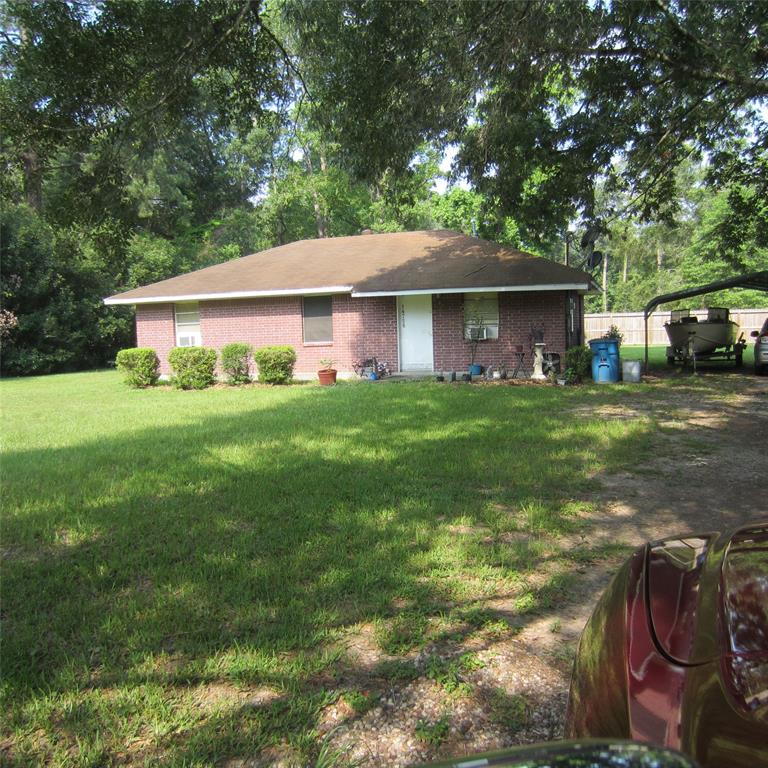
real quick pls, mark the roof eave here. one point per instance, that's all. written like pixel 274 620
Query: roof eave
pixel 122 299
pixel 584 287
pixel 325 290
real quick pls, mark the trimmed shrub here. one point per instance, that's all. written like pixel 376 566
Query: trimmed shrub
pixel 579 360
pixel 192 367
pixel 235 359
pixel 275 364
pixel 139 366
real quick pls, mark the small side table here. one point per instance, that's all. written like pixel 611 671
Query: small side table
pixel 519 355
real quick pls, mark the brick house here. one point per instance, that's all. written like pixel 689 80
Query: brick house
pixel 411 299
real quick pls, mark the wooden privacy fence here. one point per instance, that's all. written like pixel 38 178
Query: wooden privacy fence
pixel 631 324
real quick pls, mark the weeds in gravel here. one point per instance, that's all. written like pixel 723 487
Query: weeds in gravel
pixel 402 633
pixel 508 710
pixel 360 701
pixel 397 671
pixel 329 756
pixel 449 673
pixel 433 733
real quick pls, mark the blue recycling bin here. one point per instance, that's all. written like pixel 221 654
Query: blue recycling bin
pixel 605 360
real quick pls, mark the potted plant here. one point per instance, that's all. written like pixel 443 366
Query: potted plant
pixel 327 374
pixel 569 377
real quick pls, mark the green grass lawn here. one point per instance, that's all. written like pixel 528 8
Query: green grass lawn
pixel 657 357
pixel 167 553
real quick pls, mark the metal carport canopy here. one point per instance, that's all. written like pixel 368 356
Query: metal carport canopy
pixel 755 280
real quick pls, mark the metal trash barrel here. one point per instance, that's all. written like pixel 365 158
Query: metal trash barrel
pixel 630 371
pixel 605 360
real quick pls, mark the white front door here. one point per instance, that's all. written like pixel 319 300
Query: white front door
pixel 414 322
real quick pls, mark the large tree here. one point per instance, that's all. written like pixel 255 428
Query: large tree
pixel 131 134
pixel 543 96
pixel 84 81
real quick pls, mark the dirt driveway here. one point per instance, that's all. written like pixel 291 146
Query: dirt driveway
pixel 709 454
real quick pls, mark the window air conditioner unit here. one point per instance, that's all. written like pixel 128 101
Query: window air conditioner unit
pixel 474 333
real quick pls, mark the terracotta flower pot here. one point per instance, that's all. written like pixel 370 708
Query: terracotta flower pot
pixel 327 377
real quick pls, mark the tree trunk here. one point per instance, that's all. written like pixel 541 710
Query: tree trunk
pixel 320 225
pixel 605 282
pixel 625 270
pixel 659 258
pixel 33 182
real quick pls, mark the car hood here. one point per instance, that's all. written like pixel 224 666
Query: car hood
pixel 708 594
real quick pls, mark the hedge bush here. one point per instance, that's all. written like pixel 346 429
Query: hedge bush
pixel 275 364
pixel 579 360
pixel 192 367
pixel 235 360
pixel 140 366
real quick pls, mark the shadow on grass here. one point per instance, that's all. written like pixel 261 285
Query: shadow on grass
pixel 234 548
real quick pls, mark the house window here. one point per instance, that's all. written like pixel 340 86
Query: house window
pixel 481 315
pixel 188 325
pixel 318 320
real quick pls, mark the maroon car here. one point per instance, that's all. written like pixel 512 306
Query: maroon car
pixel 676 652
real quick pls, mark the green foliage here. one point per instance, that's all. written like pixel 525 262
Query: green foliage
pixel 52 285
pixel 511 711
pixel 397 671
pixel 450 673
pixel 705 236
pixel 150 258
pixel 402 633
pixel 614 333
pixel 434 732
pixel 579 361
pixel 275 363
pixel 360 701
pixel 540 102
pixel 140 366
pixel 235 362
pixel 101 78
pixel 193 367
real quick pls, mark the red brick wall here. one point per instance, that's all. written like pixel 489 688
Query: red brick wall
pixel 361 328
pixel 155 328
pixel 519 313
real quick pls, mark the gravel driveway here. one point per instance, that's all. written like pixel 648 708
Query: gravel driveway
pixel 708 461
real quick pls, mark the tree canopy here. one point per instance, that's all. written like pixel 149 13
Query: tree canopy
pixel 143 138
pixel 542 97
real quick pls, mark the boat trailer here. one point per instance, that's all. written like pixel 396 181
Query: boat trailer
pixel 689 357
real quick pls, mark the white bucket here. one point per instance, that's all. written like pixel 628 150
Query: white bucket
pixel 630 371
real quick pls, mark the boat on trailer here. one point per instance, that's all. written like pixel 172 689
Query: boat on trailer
pixel 716 338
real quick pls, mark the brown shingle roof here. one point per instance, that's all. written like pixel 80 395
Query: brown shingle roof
pixel 391 263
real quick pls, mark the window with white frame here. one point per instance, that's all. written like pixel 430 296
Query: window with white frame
pixel 481 315
pixel 318 319
pixel 188 324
